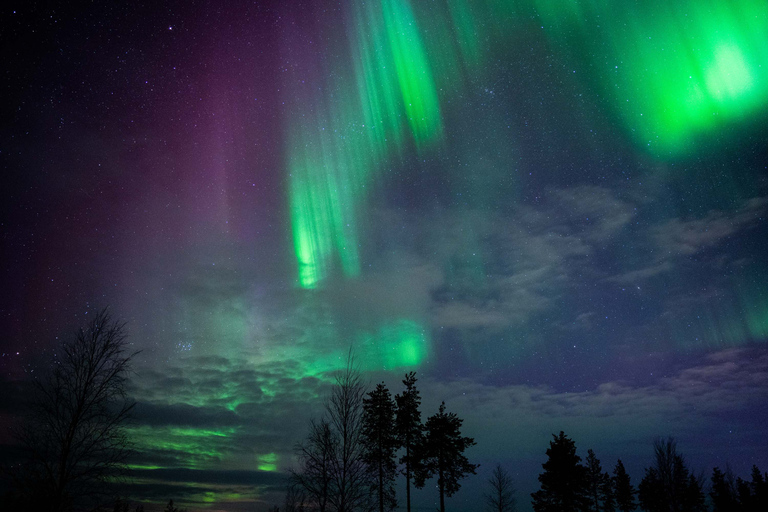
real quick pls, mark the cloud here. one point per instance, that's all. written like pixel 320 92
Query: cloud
pixel 153 414
pixel 731 383
pixel 668 246
pixel 685 237
pixel 503 269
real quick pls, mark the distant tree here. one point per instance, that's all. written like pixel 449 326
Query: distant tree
pixel 500 496
pixel 316 454
pixel 624 491
pixel 593 482
pixel 759 485
pixel 380 444
pixel 669 486
pixel 75 434
pixel 295 497
pixel 170 508
pixel 563 479
pixel 442 454
pixel 607 493
pixel 744 492
pixel 121 505
pixel 410 431
pixel 722 493
pixel 695 499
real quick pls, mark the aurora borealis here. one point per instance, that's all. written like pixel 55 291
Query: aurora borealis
pixel 553 211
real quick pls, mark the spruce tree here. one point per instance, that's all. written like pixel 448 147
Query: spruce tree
pixel 443 454
pixel 593 481
pixel 759 489
pixel 562 482
pixel 607 494
pixel 722 492
pixel 409 430
pixel 624 491
pixel 380 444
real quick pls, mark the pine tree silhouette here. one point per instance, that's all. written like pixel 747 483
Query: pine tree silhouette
pixel 443 454
pixel 624 491
pixel 410 431
pixel 380 444
pixel 563 479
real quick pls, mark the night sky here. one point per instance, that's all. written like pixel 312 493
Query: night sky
pixel 553 211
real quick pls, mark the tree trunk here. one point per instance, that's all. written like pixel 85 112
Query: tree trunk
pixel 381 487
pixel 408 477
pixel 442 495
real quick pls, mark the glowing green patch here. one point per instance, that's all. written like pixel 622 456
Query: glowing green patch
pixel 191 447
pixel 400 344
pixel 729 76
pixel 267 462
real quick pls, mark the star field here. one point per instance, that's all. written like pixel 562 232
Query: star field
pixel 553 212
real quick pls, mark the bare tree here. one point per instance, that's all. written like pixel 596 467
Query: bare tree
pixel 75 435
pixel 351 480
pixel 295 498
pixel 316 456
pixel 501 491
pixel 332 469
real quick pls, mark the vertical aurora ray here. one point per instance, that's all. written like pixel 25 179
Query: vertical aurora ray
pixel 466 29
pixel 414 75
pixel 326 178
pixel 341 133
pixel 674 72
pixel 376 85
pixel 737 315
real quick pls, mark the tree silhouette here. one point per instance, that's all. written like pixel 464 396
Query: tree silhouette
pixel 669 486
pixel 501 492
pixel 593 481
pixel 744 492
pixel 332 469
pixel 170 508
pixel 442 454
pixel 351 482
pixel 380 444
pixel 723 492
pixel 607 493
pixel 295 497
pixel 315 474
pixel 410 431
pixel 623 489
pixel 75 434
pixel 759 485
pixel 598 486
pixel 563 479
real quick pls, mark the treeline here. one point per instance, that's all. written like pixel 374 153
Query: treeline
pixel 668 485
pixel 348 461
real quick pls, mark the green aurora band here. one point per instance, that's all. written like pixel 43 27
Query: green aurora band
pixel 675 75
